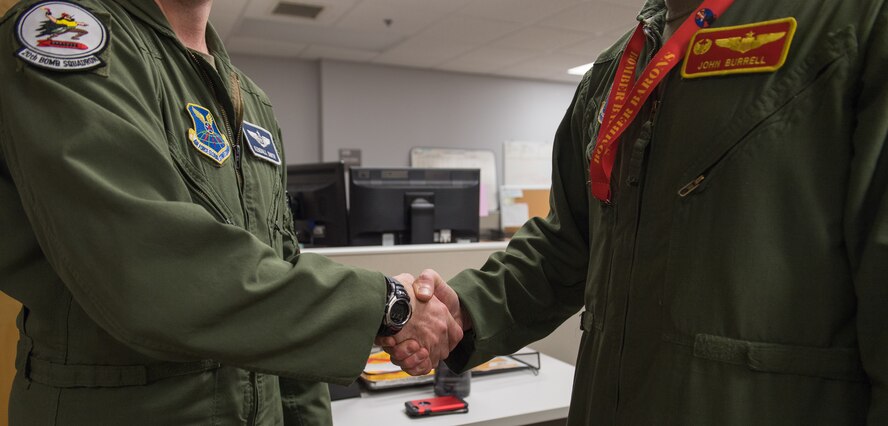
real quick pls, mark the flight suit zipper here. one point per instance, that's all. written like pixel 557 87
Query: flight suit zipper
pixel 235 139
pixel 254 406
pixel 691 186
pixel 655 44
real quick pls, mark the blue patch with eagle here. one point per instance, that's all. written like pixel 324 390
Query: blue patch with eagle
pixel 205 136
pixel 261 143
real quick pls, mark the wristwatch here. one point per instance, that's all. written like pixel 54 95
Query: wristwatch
pixel 397 308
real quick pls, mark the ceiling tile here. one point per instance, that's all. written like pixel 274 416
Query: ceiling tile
pixel 537 39
pixel 328 36
pixel 259 46
pixel 523 11
pixel 406 19
pixel 423 52
pixel 332 12
pixel 590 48
pixel 466 29
pixel 327 52
pixel 487 58
pixel 226 15
pixel 553 62
pixel 593 17
pixel 541 38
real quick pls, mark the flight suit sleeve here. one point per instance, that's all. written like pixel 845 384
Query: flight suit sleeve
pixel 866 217
pixel 291 245
pixel 90 159
pixel 523 293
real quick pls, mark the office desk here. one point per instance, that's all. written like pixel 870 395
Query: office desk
pixel 505 399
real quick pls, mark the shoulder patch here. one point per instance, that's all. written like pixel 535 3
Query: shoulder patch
pixel 261 143
pixel 61 36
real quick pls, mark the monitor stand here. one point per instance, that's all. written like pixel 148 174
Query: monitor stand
pixel 422 216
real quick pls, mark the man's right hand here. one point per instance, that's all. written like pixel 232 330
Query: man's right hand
pixel 427 338
pixel 409 354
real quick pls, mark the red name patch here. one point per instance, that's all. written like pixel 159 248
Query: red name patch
pixel 758 47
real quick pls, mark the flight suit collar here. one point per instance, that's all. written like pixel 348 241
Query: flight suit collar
pixel 653 14
pixel 651 8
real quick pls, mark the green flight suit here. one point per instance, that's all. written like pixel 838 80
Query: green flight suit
pixel 740 274
pixel 160 287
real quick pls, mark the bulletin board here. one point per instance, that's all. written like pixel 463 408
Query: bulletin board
pixel 520 204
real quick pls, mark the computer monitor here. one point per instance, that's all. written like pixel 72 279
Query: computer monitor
pixel 318 202
pixel 413 205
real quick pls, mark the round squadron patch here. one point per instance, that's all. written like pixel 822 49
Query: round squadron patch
pixel 704 18
pixel 61 36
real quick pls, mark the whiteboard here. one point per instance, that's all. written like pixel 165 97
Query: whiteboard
pixel 527 164
pixel 452 158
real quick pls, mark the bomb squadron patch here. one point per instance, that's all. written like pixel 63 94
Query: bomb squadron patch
pixel 61 36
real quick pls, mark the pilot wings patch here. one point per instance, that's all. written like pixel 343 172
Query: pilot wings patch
pixel 261 143
pixel 757 47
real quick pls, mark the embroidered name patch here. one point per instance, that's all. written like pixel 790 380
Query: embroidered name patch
pixel 61 36
pixel 261 143
pixel 205 136
pixel 757 47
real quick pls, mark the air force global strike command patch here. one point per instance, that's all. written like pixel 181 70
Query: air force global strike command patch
pixel 205 136
pixel 61 36
pixel 261 143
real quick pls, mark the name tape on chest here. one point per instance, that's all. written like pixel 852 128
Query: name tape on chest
pixel 61 36
pixel 261 143
pixel 757 47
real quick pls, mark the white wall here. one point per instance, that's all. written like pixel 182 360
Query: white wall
pixel 294 88
pixel 385 111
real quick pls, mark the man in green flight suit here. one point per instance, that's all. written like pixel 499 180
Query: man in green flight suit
pixel 145 232
pixel 730 254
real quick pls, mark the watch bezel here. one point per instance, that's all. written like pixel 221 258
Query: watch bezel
pixel 396 294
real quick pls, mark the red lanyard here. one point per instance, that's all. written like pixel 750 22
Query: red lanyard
pixel 624 102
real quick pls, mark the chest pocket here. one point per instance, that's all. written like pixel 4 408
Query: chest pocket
pixel 773 107
pixel 212 185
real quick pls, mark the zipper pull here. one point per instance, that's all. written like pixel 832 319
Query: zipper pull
pixel 691 186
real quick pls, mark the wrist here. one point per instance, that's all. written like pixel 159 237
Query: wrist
pixel 397 309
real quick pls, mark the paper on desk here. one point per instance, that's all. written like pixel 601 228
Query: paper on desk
pixel 380 363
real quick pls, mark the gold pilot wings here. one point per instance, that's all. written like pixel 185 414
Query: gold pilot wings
pixel 757 47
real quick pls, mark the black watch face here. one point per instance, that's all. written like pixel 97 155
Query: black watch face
pixel 399 312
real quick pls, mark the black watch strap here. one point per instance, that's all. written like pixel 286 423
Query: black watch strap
pixel 397 308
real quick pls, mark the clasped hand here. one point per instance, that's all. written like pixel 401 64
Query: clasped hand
pixel 434 329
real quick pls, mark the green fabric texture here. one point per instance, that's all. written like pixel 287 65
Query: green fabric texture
pixel 758 298
pixel 131 251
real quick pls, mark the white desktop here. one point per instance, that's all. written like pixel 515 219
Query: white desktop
pixel 506 399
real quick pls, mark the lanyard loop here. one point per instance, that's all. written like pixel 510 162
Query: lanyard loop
pixel 628 93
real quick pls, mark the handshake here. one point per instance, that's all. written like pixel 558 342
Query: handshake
pixel 435 327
